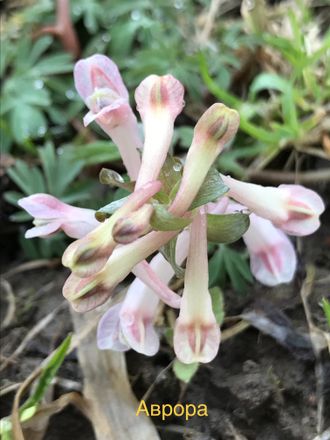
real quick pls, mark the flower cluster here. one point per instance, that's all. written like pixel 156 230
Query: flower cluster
pixel 166 211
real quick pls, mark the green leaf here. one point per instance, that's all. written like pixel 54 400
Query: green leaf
pixel 211 189
pixel 12 197
pixel 29 408
pixel 184 372
pixel 26 122
pixel 49 161
pixel 237 269
pixel 216 265
pixel 268 81
pixel 111 177
pixel 39 47
pixel 170 174
pixel 217 304
pixel 168 252
pixel 226 228
pixel 53 64
pixel 28 179
pixel 326 308
pixel 95 153
pixel 107 210
pixel 163 220
pixel 48 373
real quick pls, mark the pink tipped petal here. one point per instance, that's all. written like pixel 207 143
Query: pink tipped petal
pixel 159 101
pixel 305 206
pixel 90 302
pixel 98 71
pixel 151 279
pixel 100 85
pixel 109 331
pixel 158 93
pixel 196 342
pixel 140 333
pixel 86 294
pixel 51 215
pixel 272 256
pixel 44 206
pixel 44 230
pixel 137 316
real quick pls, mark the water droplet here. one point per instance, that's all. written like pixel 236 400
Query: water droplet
pixel 178 4
pixel 135 15
pixel 70 94
pixel 38 84
pixel 106 38
pixel 60 151
pixel 41 131
pixel 177 166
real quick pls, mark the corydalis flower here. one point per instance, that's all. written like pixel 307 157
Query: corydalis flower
pixel 52 215
pixel 217 126
pixel 89 254
pixel 159 100
pixel 99 83
pixel 293 208
pixel 196 332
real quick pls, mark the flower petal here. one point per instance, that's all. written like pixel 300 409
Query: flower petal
pixel 86 294
pixel 150 278
pixel 159 101
pixel 196 342
pixel 272 256
pixel 196 332
pixel 98 71
pixel 214 129
pixel 156 93
pixel 44 230
pixel 44 206
pixel 109 330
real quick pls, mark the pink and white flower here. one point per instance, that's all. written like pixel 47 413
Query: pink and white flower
pixel 51 215
pixel 196 332
pixel 99 83
pixel 292 208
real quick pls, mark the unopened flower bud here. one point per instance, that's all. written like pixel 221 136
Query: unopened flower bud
pixel 217 126
pixel 132 226
pixel 89 254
